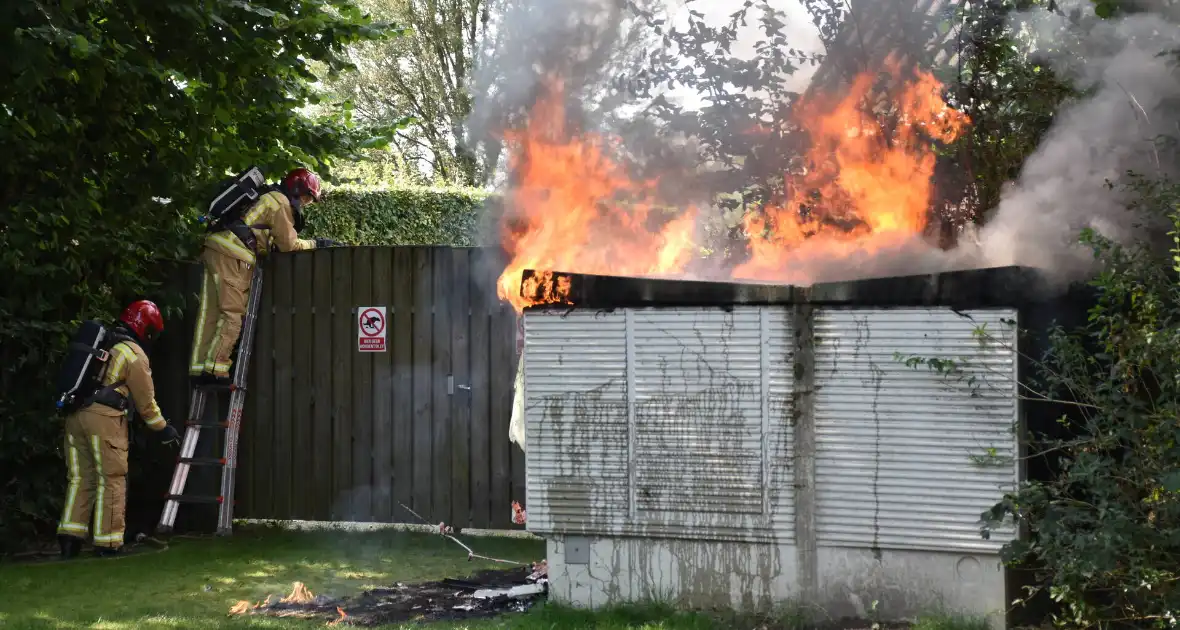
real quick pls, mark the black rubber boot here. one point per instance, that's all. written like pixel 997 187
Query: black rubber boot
pixel 208 381
pixel 70 546
pixel 108 552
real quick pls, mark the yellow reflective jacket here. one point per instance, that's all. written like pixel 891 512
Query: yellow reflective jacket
pixel 129 363
pixel 270 218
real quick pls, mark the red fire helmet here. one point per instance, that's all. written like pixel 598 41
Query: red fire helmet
pixel 143 317
pixel 302 182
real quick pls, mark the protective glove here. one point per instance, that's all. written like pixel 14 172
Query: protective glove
pixel 326 242
pixel 170 436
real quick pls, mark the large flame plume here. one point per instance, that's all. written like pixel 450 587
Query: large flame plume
pixel 573 207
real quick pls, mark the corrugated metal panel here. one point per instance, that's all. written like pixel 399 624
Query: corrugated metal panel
pixel 905 457
pixel 698 411
pixel 710 437
pixel 576 420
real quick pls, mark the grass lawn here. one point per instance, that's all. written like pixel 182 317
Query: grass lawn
pixel 194 582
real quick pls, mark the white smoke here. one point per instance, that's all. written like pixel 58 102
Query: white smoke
pixel 580 41
pixel 1063 187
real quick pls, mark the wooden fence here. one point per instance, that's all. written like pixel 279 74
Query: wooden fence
pixel 331 433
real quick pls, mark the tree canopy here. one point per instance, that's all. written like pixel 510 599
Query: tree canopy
pixel 429 75
pixel 115 119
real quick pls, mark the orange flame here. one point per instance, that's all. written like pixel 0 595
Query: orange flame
pixel 299 594
pixel 870 188
pixel 576 209
pixel 240 608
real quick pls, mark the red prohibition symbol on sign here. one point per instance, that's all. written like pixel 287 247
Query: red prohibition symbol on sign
pixel 372 322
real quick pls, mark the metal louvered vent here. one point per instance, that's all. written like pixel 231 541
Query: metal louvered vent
pixel 906 456
pixel 660 421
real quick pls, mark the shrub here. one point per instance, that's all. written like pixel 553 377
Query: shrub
pixel 405 215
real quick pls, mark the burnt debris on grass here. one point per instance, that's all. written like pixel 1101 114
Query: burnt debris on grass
pixel 485 594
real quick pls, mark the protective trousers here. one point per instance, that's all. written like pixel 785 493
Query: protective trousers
pixel 224 291
pixel 96 461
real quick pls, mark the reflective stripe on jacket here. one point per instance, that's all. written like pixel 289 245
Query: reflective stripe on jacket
pixel 129 363
pixel 271 218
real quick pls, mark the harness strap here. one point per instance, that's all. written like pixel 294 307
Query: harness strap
pixel 237 224
pixel 97 353
pixel 244 234
pixel 110 397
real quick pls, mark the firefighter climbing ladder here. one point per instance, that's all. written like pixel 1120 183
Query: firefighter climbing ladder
pixel 228 462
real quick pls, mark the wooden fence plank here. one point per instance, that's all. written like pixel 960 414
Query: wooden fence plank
pixel 423 436
pixel 502 372
pixel 362 392
pixel 344 346
pixel 260 462
pixel 402 338
pixel 461 397
pixel 443 384
pixel 321 469
pixel 482 296
pixel 283 430
pixel 302 336
pixel 382 395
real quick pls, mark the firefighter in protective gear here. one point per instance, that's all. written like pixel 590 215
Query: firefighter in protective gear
pixel 96 436
pixel 229 258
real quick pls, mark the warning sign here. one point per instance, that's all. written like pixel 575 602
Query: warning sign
pixel 370 329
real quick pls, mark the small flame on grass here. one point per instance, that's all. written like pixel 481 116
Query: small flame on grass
pixel 240 608
pixel 299 595
pixel 343 616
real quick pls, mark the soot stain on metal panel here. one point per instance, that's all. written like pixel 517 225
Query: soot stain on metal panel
pixel 672 426
pixel 875 381
pixel 577 421
pixel 699 573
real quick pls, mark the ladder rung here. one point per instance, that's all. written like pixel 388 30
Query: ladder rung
pixel 209 387
pixel 188 498
pixel 202 461
pixel 207 425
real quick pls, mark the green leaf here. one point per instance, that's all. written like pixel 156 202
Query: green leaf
pixel 1105 9
pixel 1171 481
pixel 263 11
pixel 80 45
pixel 25 126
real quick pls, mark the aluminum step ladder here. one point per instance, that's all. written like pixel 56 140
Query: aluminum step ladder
pixel 228 462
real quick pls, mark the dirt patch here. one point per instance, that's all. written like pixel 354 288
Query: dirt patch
pixel 444 600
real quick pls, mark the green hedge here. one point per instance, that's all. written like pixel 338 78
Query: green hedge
pixel 402 216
